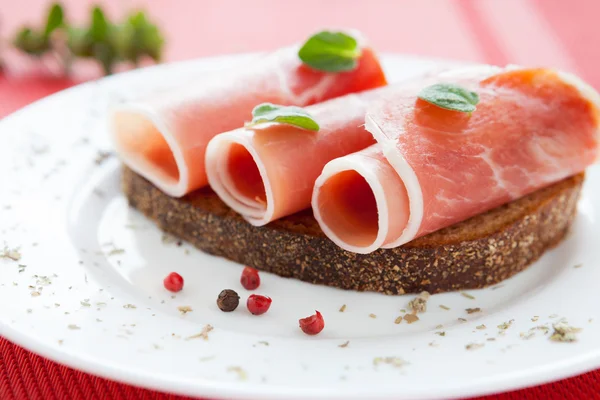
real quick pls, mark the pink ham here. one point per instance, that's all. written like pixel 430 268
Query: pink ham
pixel 164 138
pixel 267 173
pixel 532 127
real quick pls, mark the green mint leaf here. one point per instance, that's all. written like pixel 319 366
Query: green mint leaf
pixel 55 18
pixel 106 55
pixel 451 97
pixel 99 28
pixel 289 115
pixel 330 52
pixel 138 37
pixel 31 42
pixel 79 42
pixel 99 41
pixel 264 108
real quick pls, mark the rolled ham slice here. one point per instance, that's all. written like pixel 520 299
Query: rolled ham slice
pixel 433 167
pixel 164 138
pixel 267 173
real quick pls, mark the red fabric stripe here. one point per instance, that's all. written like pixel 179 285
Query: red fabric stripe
pixel 101 386
pixel 30 377
pixel 6 391
pixel 57 384
pixel 15 373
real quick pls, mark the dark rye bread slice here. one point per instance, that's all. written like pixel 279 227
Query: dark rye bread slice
pixel 476 253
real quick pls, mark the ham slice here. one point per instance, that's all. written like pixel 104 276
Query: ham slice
pixel 267 173
pixel 433 167
pixel 164 138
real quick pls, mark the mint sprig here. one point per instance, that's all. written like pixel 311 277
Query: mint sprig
pixel 330 52
pixel 31 41
pixel 109 43
pixel 36 42
pixel 288 115
pixel 139 37
pixel 55 19
pixel 450 97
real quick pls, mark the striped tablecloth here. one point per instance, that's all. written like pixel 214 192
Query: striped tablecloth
pixel 559 33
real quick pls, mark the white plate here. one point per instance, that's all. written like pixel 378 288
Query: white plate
pixel 105 311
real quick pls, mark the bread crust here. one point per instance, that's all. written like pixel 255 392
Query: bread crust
pixel 479 252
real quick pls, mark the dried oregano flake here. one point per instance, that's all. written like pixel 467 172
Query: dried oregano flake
pixel 419 303
pixel 563 332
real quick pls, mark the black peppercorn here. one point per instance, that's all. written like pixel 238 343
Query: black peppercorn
pixel 228 300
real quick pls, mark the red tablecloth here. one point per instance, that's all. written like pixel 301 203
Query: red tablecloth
pixel 559 33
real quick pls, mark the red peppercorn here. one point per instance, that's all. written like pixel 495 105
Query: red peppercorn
pixel 173 282
pixel 313 324
pixel 258 304
pixel 250 279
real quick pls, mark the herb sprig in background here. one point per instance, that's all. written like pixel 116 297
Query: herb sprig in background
pixel 108 43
